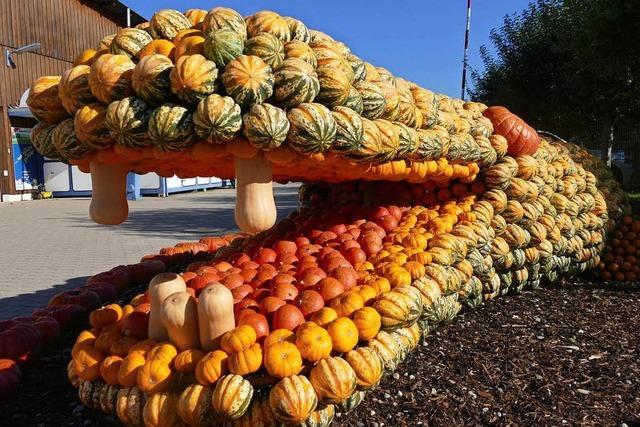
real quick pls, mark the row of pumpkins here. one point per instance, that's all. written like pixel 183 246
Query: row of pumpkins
pixel 214 76
pixel 277 329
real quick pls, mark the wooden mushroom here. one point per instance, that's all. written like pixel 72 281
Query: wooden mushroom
pixel 255 207
pixel 179 316
pixel 160 287
pixel 108 193
pixel 215 315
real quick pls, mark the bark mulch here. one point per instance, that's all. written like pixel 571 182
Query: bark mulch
pixel 559 356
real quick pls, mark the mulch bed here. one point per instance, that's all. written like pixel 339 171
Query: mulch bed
pixel 559 356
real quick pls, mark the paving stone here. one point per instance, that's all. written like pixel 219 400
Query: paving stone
pixel 51 245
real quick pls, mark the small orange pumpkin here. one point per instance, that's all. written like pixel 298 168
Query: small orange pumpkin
pixel 313 342
pixel 122 346
pixel 164 352
pixel 143 347
pixel 105 316
pixel 238 339
pixel 246 361
pixel 109 369
pixel 344 334
pixel 211 367
pixel 187 360
pixel 86 363
pixel 277 336
pixel 159 46
pixel 107 338
pixel 347 303
pixel 368 322
pixel 128 372
pixel 324 316
pixel 282 359
pixel 155 376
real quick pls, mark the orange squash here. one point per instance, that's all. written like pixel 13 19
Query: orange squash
pixel 109 369
pixel 368 322
pixel 238 339
pixel 211 367
pixel 86 363
pixel 344 334
pixel 128 371
pixel 282 359
pixel 246 361
pixel 313 342
pixel 159 46
pixel 155 376
pixel 187 360
pixel 105 316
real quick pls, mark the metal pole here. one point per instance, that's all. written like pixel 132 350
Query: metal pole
pixel 128 17
pixel 466 50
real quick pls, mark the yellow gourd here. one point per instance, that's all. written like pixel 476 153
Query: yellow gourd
pixel 179 316
pixel 255 207
pixel 108 194
pixel 160 287
pixel 215 315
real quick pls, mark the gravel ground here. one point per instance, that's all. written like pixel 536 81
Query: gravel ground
pixel 555 356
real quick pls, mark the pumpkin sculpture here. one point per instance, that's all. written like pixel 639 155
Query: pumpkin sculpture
pixel 414 205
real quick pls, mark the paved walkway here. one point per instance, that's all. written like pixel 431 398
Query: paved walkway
pixel 50 245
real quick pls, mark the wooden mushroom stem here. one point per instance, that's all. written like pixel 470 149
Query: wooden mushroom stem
pixel 108 194
pixel 255 207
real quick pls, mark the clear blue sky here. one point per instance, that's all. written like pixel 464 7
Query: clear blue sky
pixel 420 40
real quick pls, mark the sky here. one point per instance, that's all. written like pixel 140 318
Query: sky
pixel 419 40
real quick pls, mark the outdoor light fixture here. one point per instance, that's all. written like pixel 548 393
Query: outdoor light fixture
pixel 8 54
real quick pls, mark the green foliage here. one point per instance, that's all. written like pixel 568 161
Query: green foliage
pixel 568 66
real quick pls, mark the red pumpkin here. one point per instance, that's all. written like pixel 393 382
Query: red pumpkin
pixel 136 324
pixel 108 292
pixel 287 317
pixel 284 291
pixel 82 297
pixel 309 302
pixel 329 288
pixel 20 342
pixel 345 275
pixel 270 305
pixel 117 276
pixel 10 376
pixel 258 322
pixel 48 328
pixel 66 315
pixel 521 138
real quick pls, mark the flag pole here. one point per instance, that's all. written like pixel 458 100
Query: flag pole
pixel 466 50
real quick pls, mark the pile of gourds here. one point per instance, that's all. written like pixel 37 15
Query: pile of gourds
pixel 414 205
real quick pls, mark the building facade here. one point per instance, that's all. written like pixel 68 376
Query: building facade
pixel 63 28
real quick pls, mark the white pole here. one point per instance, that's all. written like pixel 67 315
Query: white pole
pixel 128 17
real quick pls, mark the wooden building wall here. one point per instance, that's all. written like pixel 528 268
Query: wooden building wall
pixel 64 28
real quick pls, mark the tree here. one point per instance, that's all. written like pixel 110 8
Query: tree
pixel 567 66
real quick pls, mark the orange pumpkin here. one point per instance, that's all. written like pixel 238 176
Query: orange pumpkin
pixel 155 376
pixel 415 269
pixel 347 303
pixel 211 367
pixel 521 138
pixel 143 347
pixel 128 372
pixel 282 359
pixel 324 316
pixel 86 363
pixel 85 339
pixel 278 336
pixel 398 276
pixel 238 339
pixel 380 284
pixel 192 45
pixel 85 58
pixel 313 342
pixel 105 316
pixel 159 46
pixel 109 369
pixel 122 346
pixel 367 293
pixel 107 338
pixel 164 352
pixel 368 322
pixel 187 360
pixel 344 334
pixel 246 361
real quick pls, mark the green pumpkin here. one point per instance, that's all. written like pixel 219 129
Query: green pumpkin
pixel 408 140
pixel 390 139
pixel 321 417
pixel 130 41
pixel 224 18
pixel 296 82
pixel 298 30
pixel 127 121
pixel 64 139
pixel 354 101
pixel 358 67
pixel 265 126
pixel 392 100
pixel 312 128
pixel 334 86
pixel 217 118
pixel 90 128
pixel 74 90
pixel 248 80
pixel 430 145
pixel 371 145
pixel 373 101
pixel 42 141
pixel 231 396
pixel 349 129
pixel 171 127
pixel 298 49
pixel 167 23
pixel 268 22
pixel 223 46
pixel 266 46
pixel 193 78
pixel 150 79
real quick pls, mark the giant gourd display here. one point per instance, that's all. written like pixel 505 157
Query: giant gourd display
pixel 413 206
